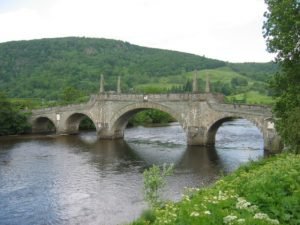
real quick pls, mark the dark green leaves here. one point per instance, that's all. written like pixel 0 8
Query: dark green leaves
pixel 282 33
pixel 12 120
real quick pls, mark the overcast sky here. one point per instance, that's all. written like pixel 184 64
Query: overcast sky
pixel 229 30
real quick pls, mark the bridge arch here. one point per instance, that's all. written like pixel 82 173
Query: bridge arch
pixel 43 124
pixel 119 120
pixel 215 125
pixel 73 121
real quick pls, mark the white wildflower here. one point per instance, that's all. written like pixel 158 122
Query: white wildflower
pixel 187 198
pixel 240 221
pixel 222 196
pixel 261 216
pixel 242 203
pixel 207 212
pixel 228 219
pixel 273 221
pixel 195 214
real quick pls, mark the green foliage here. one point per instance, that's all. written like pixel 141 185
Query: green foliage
pixel 281 28
pixel 151 116
pixel 71 94
pixel 87 124
pixel 250 97
pixel 47 69
pixel 12 120
pixel 43 68
pixel 148 215
pixel 238 81
pixel 256 71
pixel 262 192
pixel 282 32
pixel 290 128
pixel 154 181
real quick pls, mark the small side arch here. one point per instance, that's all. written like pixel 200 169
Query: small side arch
pixel 213 128
pixel 42 125
pixel 73 121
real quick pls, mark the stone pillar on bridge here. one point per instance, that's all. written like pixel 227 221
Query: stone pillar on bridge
pixel 207 85
pixel 119 85
pixel 101 84
pixel 195 84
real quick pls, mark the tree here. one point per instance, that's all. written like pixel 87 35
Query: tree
pixel 71 94
pixel 12 120
pixel 282 33
pixel 239 81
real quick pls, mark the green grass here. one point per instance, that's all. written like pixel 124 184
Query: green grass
pixel 222 74
pixel 154 87
pixel 262 192
pixel 252 97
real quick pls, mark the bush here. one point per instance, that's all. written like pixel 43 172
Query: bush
pixel 12 120
pixel 154 181
pixel 263 192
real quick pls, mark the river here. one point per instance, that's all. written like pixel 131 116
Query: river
pixel 78 179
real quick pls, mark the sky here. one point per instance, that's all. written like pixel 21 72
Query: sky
pixel 229 30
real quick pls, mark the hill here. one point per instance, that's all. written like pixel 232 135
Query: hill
pixel 40 68
pixel 50 69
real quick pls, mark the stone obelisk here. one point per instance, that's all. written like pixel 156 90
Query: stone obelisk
pixel 207 85
pixel 101 84
pixel 195 84
pixel 119 85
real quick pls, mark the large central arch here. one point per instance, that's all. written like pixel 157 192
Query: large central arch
pixel 119 120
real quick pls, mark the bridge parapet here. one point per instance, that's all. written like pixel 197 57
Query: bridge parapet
pixel 62 108
pixel 242 108
pixel 210 97
pixel 160 97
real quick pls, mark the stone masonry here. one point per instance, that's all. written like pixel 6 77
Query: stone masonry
pixel 199 114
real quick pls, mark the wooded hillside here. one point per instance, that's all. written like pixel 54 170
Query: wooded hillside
pixel 53 69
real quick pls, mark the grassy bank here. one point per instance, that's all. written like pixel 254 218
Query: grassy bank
pixel 263 192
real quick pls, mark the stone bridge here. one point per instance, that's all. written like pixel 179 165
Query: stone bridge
pixel 199 114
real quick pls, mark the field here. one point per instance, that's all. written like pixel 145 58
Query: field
pixel 254 92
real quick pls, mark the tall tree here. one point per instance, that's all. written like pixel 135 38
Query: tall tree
pixel 282 33
pixel 12 120
pixel 70 95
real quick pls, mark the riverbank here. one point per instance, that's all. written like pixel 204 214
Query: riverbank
pixel 262 192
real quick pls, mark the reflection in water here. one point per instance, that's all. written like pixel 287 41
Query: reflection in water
pixel 81 180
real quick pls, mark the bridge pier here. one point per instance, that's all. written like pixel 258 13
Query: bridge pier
pixel 107 134
pixel 196 136
pixel 272 142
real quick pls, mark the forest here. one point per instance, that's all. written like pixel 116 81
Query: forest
pixel 64 70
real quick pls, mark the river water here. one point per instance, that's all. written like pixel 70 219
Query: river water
pixel 78 179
